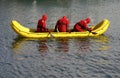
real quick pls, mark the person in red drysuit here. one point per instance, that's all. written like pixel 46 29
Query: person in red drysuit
pixel 41 27
pixel 62 25
pixel 82 25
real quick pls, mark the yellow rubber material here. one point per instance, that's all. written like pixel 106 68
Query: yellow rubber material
pixel 23 31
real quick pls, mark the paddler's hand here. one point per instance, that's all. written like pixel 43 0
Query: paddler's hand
pixel 90 29
pixel 69 31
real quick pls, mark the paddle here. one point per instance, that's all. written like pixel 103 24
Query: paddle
pixel 51 35
pixel 93 32
pixel 90 30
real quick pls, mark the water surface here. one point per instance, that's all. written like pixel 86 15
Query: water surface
pixel 89 57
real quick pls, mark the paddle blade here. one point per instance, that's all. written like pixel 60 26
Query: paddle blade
pixel 94 33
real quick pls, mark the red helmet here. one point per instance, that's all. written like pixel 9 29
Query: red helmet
pixel 88 20
pixel 64 17
pixel 44 16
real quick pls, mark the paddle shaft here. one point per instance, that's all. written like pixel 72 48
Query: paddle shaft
pixel 51 35
pixel 93 32
pixel 89 29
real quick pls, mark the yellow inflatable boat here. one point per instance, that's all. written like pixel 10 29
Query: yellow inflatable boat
pixel 23 31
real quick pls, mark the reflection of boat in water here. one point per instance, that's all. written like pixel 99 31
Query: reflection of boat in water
pixel 83 44
pixel 87 44
pixel 19 40
pixel 62 44
pixel 43 48
pixel 101 42
pixel 58 44
pixel 24 47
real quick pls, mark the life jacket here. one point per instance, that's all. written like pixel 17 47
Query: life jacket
pixel 41 27
pixel 81 25
pixel 62 24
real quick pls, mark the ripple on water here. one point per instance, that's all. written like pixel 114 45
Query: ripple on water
pixel 91 57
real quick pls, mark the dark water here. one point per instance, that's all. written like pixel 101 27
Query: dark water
pixel 89 57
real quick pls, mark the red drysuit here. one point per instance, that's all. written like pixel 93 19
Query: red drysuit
pixel 41 27
pixel 82 25
pixel 62 24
